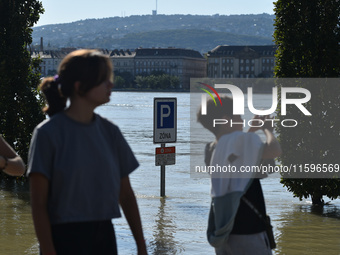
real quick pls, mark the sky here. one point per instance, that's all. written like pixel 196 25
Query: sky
pixel 64 11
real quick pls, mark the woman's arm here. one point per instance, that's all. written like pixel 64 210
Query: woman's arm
pixel 39 186
pixel 272 148
pixel 128 203
pixel 10 162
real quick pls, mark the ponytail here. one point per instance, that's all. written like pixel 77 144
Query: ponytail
pixel 56 102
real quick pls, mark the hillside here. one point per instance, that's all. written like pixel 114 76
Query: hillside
pixel 198 32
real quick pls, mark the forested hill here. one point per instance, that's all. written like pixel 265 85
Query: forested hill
pixel 198 32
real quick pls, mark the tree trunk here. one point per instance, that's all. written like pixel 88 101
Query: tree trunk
pixel 317 199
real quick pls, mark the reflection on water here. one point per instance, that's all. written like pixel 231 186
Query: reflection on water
pixel 308 229
pixel 164 242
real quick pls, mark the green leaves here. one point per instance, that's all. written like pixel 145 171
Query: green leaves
pixel 20 109
pixel 158 81
pixel 307 34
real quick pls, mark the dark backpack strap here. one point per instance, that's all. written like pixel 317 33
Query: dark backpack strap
pixel 250 204
pixel 209 148
pixel 266 219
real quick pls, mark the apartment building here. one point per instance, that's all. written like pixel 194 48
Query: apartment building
pixel 50 61
pixel 241 61
pixel 123 61
pixel 182 63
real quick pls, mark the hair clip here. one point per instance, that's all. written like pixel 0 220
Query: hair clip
pixel 57 82
pixel 56 79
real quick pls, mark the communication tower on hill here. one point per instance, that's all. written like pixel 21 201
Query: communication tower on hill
pixel 154 12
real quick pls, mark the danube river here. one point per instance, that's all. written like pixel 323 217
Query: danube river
pixel 177 224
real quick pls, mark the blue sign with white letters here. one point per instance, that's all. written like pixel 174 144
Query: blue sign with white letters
pixel 165 120
pixel 166 113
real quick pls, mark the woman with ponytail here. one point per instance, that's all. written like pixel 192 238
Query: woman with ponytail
pixel 79 163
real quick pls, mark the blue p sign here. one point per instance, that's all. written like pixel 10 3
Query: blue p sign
pixel 166 115
pixel 165 120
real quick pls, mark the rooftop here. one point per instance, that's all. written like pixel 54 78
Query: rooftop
pixel 226 50
pixel 173 52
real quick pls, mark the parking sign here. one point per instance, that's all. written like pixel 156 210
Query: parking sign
pixel 165 120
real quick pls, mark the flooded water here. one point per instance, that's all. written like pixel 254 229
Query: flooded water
pixel 176 224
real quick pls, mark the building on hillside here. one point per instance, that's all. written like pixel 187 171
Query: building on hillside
pixel 182 63
pixel 241 61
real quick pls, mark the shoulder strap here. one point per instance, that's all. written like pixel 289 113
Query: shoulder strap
pixel 260 215
pixel 209 148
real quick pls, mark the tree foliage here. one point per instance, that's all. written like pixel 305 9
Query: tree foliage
pixel 201 40
pixel 124 80
pixel 157 81
pixel 20 109
pixel 307 35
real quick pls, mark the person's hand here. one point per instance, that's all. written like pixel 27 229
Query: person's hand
pixel 256 123
pixel 261 122
pixel 269 124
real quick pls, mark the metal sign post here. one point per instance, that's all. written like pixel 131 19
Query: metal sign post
pixel 164 156
pixel 165 131
pixel 162 176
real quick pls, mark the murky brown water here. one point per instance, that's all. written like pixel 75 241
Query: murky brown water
pixel 16 228
pixel 176 224
pixel 169 224
pixel 300 227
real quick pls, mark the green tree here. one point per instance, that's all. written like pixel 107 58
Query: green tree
pixel 119 82
pixel 175 83
pixel 126 79
pixel 307 35
pixel 165 81
pixel 158 81
pixel 20 108
pixel 141 82
pixel 152 81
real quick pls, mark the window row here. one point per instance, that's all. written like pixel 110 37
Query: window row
pixel 224 76
pixel 50 62
pixel 247 68
pixel 224 68
pixel 121 64
pixel 267 68
pixel 224 60
pixel 165 70
pixel 268 60
pixel 155 63
pixel 247 61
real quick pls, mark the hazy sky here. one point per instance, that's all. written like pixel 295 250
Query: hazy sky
pixel 63 11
